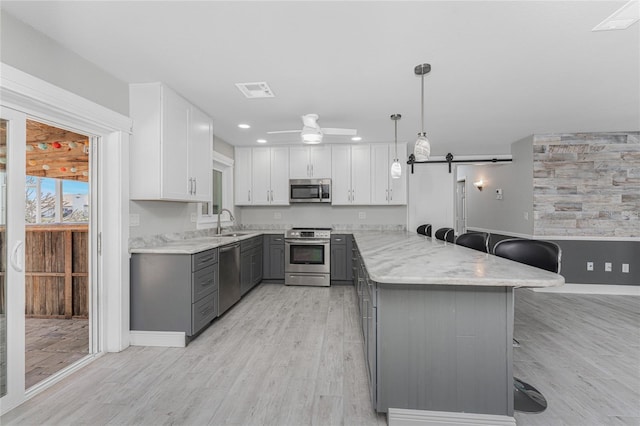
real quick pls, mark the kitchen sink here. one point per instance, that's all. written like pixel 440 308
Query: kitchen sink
pixel 233 234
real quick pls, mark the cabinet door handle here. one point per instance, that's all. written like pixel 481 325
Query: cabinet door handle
pixel 391 194
pixel 312 170
pixel 272 195
pixel 387 196
pixel 353 195
pixel 195 186
pixel 308 173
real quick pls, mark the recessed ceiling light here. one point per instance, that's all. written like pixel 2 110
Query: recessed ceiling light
pixel 261 141
pixel 244 126
pixel 356 138
pixel 621 19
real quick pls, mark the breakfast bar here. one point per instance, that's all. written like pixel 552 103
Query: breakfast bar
pixel 437 320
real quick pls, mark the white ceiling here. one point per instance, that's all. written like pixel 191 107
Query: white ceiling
pixel 500 70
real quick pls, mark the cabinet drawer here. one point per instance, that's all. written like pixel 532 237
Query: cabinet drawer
pixel 339 239
pixel 204 311
pixel 204 259
pixel 275 239
pixel 250 243
pixel 204 282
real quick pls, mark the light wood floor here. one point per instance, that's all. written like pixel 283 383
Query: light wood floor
pixel 293 356
pixel 583 353
pixel 53 344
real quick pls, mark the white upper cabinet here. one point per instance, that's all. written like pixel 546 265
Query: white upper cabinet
pixel 351 174
pixel 262 176
pixel 170 151
pixel 243 176
pixel 310 162
pixel 384 189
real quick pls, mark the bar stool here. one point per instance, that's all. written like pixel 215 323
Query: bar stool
pixel 424 229
pixel 445 234
pixel 540 254
pixel 474 240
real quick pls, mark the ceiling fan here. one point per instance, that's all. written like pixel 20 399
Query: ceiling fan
pixel 312 133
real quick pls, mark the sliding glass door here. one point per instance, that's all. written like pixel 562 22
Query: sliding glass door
pixel 12 237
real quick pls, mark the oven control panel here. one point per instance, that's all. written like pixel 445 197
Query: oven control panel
pixel 299 233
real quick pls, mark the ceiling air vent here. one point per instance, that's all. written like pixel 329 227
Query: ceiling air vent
pixel 255 90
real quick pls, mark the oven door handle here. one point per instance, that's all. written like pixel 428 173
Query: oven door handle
pixel 302 242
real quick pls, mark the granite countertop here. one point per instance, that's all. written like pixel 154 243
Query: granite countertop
pixel 409 258
pixel 198 244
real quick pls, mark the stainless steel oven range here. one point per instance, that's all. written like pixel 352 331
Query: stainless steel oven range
pixel 307 255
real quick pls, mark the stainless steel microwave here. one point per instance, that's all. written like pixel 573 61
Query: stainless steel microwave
pixel 310 190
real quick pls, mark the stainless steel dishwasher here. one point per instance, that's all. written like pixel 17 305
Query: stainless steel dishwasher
pixel 229 264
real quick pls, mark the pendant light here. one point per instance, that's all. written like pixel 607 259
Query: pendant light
pixel 422 148
pixel 396 168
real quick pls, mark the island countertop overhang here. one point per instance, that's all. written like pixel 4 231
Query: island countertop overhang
pixel 393 257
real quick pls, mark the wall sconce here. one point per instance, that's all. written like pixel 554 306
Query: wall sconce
pixel 479 184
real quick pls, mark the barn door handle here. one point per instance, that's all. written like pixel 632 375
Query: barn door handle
pixel 16 260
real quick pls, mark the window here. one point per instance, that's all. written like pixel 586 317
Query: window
pixel 55 200
pixel 222 194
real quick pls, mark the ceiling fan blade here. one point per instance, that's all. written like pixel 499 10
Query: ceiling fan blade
pixel 283 131
pixel 340 132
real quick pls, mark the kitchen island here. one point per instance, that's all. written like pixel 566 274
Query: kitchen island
pixel 438 322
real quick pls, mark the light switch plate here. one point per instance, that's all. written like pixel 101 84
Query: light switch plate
pixel 362 215
pixel 277 215
pixel 589 266
pixel 625 268
pixel 134 219
pixel 607 266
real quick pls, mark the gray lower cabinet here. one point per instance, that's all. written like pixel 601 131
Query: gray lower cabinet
pixel 341 257
pixel 436 347
pixel 273 257
pixel 174 292
pixel 250 263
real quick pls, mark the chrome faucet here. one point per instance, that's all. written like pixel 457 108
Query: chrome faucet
pixel 219 228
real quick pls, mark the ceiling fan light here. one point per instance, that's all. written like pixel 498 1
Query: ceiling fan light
pixel 396 169
pixel 422 148
pixel 311 135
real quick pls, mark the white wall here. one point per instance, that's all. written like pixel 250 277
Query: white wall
pixel 431 196
pixel 322 215
pixel 30 51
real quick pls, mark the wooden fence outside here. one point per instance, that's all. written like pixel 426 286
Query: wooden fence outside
pixel 56 271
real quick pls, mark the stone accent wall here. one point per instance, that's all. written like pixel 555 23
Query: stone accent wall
pixel 587 184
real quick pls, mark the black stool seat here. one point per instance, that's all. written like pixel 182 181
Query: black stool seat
pixel 445 234
pixel 474 240
pixel 424 229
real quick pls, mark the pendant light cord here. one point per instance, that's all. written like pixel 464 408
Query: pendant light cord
pixel 422 100
pixel 396 138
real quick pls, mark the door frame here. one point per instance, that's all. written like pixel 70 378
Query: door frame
pixel 44 101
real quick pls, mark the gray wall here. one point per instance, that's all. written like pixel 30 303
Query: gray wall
pixel 221 146
pixel 514 213
pixel 30 51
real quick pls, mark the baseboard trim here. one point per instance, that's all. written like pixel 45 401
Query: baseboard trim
pixel 404 417
pixel 169 339
pixel 602 289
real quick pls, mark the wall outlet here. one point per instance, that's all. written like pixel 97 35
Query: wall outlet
pixel 277 215
pixel 526 215
pixel 134 219
pixel 589 266
pixel 607 266
pixel 194 217
pixel 499 194
pixel 362 215
pixel 625 268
